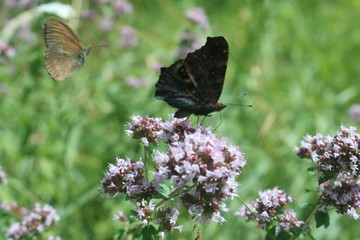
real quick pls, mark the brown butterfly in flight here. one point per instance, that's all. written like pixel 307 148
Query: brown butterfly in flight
pixel 194 84
pixel 64 50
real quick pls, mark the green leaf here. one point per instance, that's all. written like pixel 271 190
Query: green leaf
pixel 326 176
pixel 118 234
pixel 133 212
pixel 307 190
pixel 322 218
pixel 297 231
pixel 283 236
pixel 311 170
pixel 147 233
pixel 270 233
pixel 307 232
pixel 164 191
pixel 150 151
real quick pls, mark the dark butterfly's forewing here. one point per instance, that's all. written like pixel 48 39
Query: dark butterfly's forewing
pixel 64 53
pixel 207 67
pixel 194 85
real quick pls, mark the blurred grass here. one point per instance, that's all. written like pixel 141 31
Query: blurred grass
pixel 298 59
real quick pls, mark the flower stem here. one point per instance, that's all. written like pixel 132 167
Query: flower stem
pixel 310 212
pixel 308 215
pixel 146 163
pixel 245 205
pixel 173 194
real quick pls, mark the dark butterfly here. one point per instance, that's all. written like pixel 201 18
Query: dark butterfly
pixel 194 84
pixel 65 52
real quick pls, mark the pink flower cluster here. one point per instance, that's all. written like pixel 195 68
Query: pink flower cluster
pixel 354 112
pixel 120 217
pixel 199 17
pixel 200 166
pixel 19 4
pixel 270 207
pixel 126 177
pixel 34 221
pixel 6 51
pixel 167 217
pixel 145 128
pixel 121 7
pixel 190 39
pixel 110 11
pixel 14 208
pixel 188 43
pixel 337 159
pixel 129 37
pixel 135 82
pixel 144 211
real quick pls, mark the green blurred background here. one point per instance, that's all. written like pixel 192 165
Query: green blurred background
pixel 297 59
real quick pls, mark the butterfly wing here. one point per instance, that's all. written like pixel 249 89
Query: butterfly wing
pixel 177 89
pixel 194 85
pixel 207 67
pixel 65 52
pixel 58 65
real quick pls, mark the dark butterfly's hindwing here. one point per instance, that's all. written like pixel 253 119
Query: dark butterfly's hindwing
pixel 65 52
pixel 175 87
pixel 194 85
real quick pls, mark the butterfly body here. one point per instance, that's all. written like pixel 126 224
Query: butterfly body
pixel 194 84
pixel 64 50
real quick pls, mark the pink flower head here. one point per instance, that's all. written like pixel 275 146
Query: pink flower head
pixel 289 221
pixel 106 24
pixel 16 231
pixel 135 82
pixel 196 157
pixel 129 37
pixel 120 217
pixel 167 218
pixel 343 194
pixel 354 112
pixel 337 159
pixel 144 211
pixel 25 33
pixel 201 167
pixel 199 17
pixel 188 43
pixel 10 4
pixel 126 177
pixel 122 7
pixel 3 179
pixel 35 221
pixel 145 127
pixel 270 207
pixel 6 51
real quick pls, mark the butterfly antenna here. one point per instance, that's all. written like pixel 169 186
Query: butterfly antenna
pixel 100 46
pixel 103 46
pixel 240 105
pixel 241 95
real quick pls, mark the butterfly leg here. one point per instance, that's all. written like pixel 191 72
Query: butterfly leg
pixel 202 121
pixel 219 123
